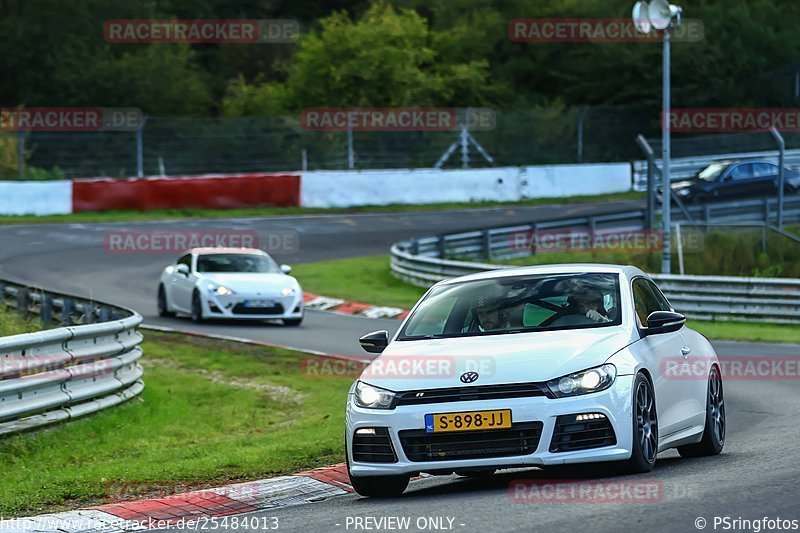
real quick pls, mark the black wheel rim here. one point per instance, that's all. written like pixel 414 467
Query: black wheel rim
pixel 716 402
pixel 646 422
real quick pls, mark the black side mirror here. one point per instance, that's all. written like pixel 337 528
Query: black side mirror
pixel 375 342
pixel 664 322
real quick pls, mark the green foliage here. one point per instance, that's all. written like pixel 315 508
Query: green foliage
pixel 384 59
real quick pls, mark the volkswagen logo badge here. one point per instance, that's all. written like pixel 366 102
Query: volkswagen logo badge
pixel 469 377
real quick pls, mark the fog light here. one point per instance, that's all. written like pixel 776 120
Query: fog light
pixel 365 431
pixel 589 416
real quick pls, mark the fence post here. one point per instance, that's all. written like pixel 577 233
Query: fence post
pixel 650 222
pixel 766 210
pixel 21 152
pixel 351 158
pixel 487 243
pixel 140 149
pixel 464 147
pixel 23 301
pixel 47 310
pixel 442 247
pixel 781 149
pixel 67 311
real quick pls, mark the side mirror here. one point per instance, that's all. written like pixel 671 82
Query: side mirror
pixel 375 342
pixel 182 269
pixel 664 322
pixel 286 269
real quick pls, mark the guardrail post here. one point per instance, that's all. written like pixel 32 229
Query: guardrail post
pixel 47 310
pixel 414 248
pixel 442 247
pixel 67 311
pixel 2 293
pixel 706 213
pixel 486 243
pixel 23 302
pixel 105 314
pixel 766 210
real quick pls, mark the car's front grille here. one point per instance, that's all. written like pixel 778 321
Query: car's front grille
pixel 571 434
pixel 466 394
pixel 240 309
pixel 521 439
pixel 373 445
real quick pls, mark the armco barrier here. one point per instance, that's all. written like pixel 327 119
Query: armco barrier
pixel 423 262
pixel 64 373
pixel 209 191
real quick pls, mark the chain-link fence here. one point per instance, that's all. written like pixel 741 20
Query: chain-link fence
pixel 178 146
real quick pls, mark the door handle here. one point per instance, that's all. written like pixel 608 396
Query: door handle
pixel 685 351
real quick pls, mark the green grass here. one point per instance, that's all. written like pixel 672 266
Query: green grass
pixel 749 332
pixel 212 412
pixel 12 323
pixel 720 253
pixel 362 279
pixel 170 214
pixel 369 280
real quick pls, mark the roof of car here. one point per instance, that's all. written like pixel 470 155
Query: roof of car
pixel 255 251
pixel 570 268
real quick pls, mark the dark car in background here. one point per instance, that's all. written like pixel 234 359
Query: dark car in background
pixel 736 179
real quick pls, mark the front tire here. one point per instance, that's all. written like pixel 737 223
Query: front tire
pixel 645 428
pixel 714 431
pixel 377 486
pixel 197 308
pixel 163 306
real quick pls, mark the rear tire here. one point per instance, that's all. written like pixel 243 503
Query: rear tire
pixel 163 307
pixel 645 428
pixel 714 431
pixel 197 308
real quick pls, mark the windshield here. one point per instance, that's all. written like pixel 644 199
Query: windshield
pixel 713 171
pixel 244 263
pixel 517 304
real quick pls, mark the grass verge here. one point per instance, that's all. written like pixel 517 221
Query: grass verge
pixel 212 412
pixel 12 323
pixel 369 280
pixel 171 214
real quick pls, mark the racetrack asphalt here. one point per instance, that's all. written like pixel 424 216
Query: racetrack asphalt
pixel 756 475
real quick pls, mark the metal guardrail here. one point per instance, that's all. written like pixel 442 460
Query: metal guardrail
pixel 424 261
pixel 682 168
pixel 64 373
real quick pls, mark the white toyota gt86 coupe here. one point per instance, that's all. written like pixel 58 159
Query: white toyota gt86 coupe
pixel 240 283
pixel 533 366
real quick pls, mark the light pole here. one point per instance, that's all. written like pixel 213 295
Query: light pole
pixel 661 15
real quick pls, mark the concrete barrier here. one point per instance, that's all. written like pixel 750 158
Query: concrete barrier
pixel 35 197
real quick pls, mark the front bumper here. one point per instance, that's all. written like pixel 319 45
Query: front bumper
pixel 233 306
pixel 615 403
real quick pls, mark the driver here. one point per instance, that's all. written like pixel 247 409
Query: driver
pixel 589 303
pixel 492 316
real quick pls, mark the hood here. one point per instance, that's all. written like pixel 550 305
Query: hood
pixel 498 359
pixel 267 283
pixel 685 184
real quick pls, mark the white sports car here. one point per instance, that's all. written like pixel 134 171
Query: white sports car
pixel 241 283
pixel 533 366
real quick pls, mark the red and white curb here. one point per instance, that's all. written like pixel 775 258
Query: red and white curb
pixel 338 305
pixel 194 508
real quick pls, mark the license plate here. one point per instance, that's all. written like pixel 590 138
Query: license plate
pixel 468 421
pixel 259 303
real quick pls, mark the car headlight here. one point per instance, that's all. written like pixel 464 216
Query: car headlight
pixel 373 397
pixel 288 291
pixel 588 381
pixel 220 290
